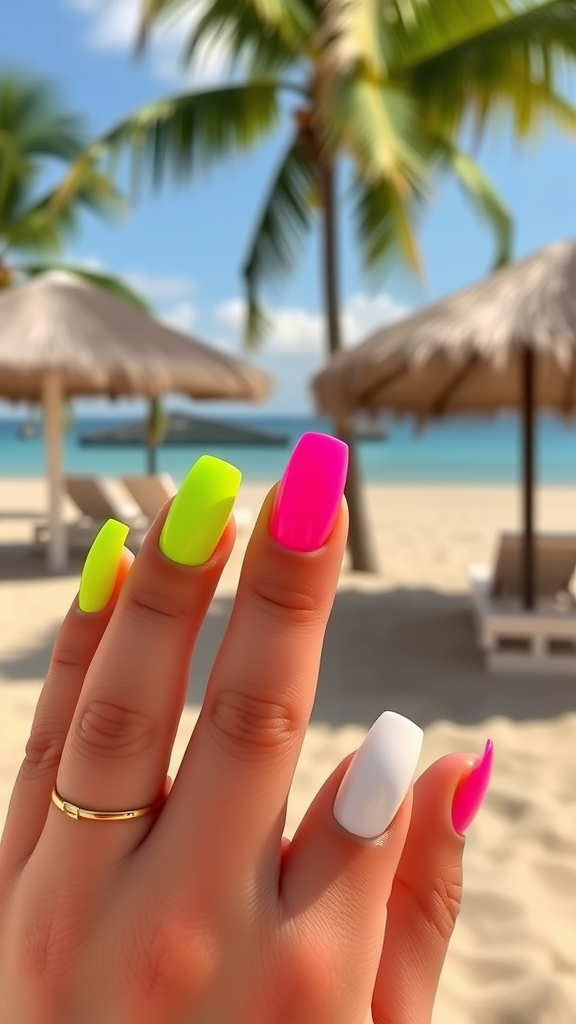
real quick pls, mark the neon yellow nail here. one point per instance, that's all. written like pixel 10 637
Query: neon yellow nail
pixel 199 513
pixel 101 566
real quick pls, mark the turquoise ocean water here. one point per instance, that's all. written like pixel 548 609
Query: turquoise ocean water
pixel 456 451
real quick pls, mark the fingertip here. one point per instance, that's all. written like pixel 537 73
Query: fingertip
pixel 152 553
pixel 471 790
pixel 200 512
pixel 101 566
pixel 126 560
pixel 444 796
pixel 308 499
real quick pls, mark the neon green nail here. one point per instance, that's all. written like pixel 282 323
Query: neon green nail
pixel 199 513
pixel 101 566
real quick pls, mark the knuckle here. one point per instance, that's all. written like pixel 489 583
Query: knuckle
pixel 439 906
pixel 43 750
pixel 149 605
pixel 276 599
pixel 66 657
pixel 105 728
pixel 250 724
pixel 446 899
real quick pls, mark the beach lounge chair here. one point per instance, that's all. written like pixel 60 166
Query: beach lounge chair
pixel 513 638
pixel 151 493
pixel 97 502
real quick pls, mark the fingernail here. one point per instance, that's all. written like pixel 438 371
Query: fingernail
pixel 199 513
pixel 379 776
pixel 309 495
pixel 471 790
pixel 101 566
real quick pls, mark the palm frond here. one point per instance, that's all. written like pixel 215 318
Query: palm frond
pixel 385 224
pixel 107 282
pixel 351 33
pixel 36 231
pixel 32 128
pixel 513 69
pixel 481 193
pixel 285 218
pixel 422 30
pixel 238 28
pixel 31 115
pixel 243 26
pixel 88 188
pixel 187 133
pixel 154 11
pixel 42 225
pixel 376 124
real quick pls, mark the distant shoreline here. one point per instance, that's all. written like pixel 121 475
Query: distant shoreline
pixel 452 452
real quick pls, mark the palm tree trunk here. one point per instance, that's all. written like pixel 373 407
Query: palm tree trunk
pixel 360 547
pixel 153 431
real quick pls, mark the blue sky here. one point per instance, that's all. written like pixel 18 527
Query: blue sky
pixel 184 247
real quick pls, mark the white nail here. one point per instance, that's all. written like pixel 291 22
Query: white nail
pixel 379 776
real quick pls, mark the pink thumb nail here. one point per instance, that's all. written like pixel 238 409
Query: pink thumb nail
pixel 471 790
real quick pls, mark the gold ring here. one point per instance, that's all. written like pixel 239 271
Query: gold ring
pixel 82 812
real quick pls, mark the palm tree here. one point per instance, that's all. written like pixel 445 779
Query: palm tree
pixel 33 130
pixel 387 86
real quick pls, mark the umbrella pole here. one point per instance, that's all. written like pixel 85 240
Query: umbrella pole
pixel 52 397
pixel 528 453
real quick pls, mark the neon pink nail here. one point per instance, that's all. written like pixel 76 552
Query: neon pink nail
pixel 471 790
pixel 310 493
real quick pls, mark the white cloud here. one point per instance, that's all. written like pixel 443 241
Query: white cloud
pixel 296 330
pixel 364 314
pixel 155 286
pixel 112 26
pixel 87 262
pixel 180 316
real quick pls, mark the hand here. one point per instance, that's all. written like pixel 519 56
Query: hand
pixel 199 912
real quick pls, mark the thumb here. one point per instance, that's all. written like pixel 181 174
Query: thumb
pixel 427 889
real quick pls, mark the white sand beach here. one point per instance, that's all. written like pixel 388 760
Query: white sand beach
pixel 402 640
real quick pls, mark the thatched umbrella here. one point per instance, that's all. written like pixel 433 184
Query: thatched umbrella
pixel 60 336
pixel 506 343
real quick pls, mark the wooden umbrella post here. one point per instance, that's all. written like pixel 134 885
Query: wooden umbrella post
pixel 528 399
pixel 52 396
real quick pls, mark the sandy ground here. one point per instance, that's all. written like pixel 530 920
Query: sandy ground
pixel 402 640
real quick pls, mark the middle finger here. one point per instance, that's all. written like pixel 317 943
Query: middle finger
pixel 236 773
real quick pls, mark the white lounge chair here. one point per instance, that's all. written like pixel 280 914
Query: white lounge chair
pixel 152 492
pixel 97 502
pixel 513 638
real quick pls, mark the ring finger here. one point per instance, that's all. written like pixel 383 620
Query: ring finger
pixel 118 748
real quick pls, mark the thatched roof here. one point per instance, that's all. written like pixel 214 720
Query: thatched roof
pixel 102 345
pixel 462 354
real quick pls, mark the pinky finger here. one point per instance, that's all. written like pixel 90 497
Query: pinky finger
pixel 75 646
pixel 427 889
